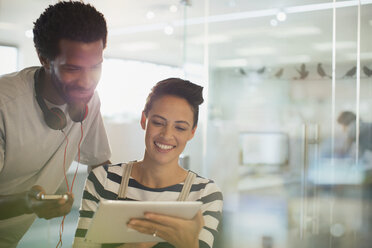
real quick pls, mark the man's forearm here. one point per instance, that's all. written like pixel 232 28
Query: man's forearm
pixel 14 205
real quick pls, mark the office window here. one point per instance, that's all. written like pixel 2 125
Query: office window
pixel 10 63
pixel 125 84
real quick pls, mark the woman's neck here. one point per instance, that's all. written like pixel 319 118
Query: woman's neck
pixel 158 176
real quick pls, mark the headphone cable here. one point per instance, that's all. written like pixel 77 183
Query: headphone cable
pixel 59 244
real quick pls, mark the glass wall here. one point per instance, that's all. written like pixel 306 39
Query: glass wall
pixel 292 175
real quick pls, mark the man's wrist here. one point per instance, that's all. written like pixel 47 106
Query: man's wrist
pixel 26 202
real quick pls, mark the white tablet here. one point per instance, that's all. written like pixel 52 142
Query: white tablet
pixel 109 223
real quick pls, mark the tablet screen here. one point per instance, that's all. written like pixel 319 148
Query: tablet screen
pixel 109 223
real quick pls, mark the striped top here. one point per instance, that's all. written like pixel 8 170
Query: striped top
pixel 103 183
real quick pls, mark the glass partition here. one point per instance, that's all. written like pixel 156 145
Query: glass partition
pixel 291 68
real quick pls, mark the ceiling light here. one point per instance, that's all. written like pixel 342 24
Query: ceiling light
pixel 273 22
pixel 173 8
pixel 168 30
pixel 281 16
pixel 29 33
pixel 150 15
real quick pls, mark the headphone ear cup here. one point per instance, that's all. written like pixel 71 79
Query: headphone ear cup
pixel 55 119
pixel 78 113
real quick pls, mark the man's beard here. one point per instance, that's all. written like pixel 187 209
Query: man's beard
pixel 62 91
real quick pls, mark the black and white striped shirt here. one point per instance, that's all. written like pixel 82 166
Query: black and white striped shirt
pixel 103 184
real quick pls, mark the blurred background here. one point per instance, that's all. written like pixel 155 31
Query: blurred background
pixel 276 76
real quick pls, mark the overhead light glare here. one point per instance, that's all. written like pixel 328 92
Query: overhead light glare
pixel 168 30
pixel 173 8
pixel 281 16
pixel 274 22
pixel 150 15
pixel 29 34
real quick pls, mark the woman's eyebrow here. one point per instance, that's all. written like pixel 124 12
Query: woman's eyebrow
pixel 159 116
pixel 183 122
pixel 179 122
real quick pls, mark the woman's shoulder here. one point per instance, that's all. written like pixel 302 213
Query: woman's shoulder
pixel 205 184
pixel 202 179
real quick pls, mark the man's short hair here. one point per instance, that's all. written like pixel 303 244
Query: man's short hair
pixel 74 21
pixel 346 118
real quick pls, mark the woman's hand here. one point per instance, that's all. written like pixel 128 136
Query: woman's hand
pixel 177 231
pixel 138 245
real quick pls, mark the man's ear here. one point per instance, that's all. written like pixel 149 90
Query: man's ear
pixel 143 120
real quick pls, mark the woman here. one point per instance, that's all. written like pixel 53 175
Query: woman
pixel 169 119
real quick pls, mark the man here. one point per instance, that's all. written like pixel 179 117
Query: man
pixel 347 120
pixel 49 116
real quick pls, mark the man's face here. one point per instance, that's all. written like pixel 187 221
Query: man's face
pixel 76 70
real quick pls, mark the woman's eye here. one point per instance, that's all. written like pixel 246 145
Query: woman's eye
pixel 181 128
pixel 157 123
pixel 71 69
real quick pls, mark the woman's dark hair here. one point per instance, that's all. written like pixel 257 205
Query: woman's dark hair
pixel 191 92
pixel 72 20
pixel 346 117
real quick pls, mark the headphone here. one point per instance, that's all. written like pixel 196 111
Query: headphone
pixel 54 117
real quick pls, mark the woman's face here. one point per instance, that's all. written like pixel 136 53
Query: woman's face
pixel 168 128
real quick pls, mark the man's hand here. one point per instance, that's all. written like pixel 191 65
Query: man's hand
pixel 47 209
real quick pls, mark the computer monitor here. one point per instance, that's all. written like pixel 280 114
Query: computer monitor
pixel 264 148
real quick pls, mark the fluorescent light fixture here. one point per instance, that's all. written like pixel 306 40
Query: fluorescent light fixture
pixel 294 59
pixel 212 39
pixel 295 32
pixel 363 56
pixel 138 46
pixel 256 51
pixel 137 29
pixel 324 6
pixel 231 63
pixel 327 46
pixel 8 26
